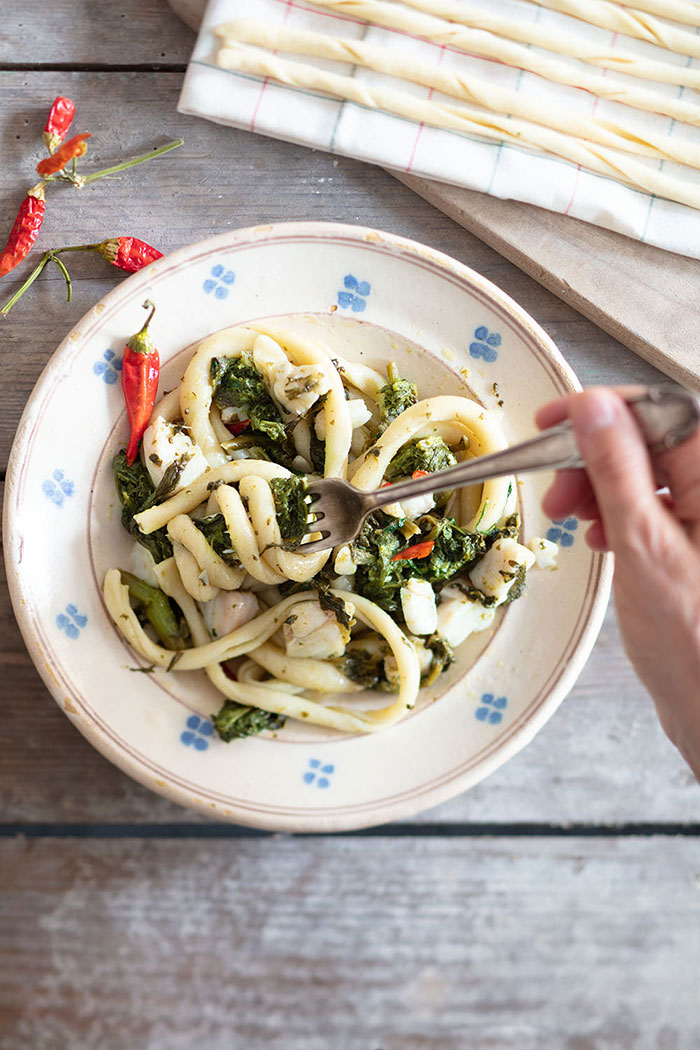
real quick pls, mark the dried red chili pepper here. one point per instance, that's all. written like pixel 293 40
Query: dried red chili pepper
pixel 58 121
pixel 140 371
pixel 418 550
pixel 74 147
pixel 25 229
pixel 128 253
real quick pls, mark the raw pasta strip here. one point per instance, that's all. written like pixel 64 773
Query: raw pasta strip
pixel 599 159
pixel 462 417
pixel 686 11
pixel 569 43
pixel 466 87
pixel 639 24
pixel 478 42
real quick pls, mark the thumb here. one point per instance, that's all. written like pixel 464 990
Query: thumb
pixel 617 464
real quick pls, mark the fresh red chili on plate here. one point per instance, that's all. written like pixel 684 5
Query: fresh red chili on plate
pixel 140 371
pixel 58 121
pixel 418 550
pixel 25 229
pixel 74 147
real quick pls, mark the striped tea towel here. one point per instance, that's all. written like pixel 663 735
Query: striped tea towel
pixel 246 97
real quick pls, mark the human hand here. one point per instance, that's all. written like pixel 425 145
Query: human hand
pixel 656 542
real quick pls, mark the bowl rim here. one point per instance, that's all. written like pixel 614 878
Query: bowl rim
pixel 389 811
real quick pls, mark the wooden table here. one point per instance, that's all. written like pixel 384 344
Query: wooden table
pixel 556 905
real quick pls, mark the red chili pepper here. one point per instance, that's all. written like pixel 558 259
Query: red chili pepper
pixel 418 550
pixel 128 253
pixel 75 147
pixel 58 121
pixel 140 371
pixel 419 474
pixel 25 230
pixel 238 426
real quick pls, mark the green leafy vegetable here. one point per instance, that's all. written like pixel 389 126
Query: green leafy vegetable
pixel 394 398
pixel 455 551
pixel 234 721
pixel 361 666
pixel 290 506
pixel 429 454
pixel 518 585
pixel 136 493
pixel 238 384
pixel 443 656
pixel 377 577
pixel 337 606
pixel 161 613
pixel 214 530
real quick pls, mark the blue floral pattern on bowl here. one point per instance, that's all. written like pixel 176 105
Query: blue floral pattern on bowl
pixel 485 344
pixel 318 773
pixel 58 488
pixel 108 367
pixel 491 708
pixel 71 622
pixel 198 732
pixel 220 281
pixel 562 531
pixel 354 296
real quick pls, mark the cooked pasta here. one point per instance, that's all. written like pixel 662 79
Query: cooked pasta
pixel 222 583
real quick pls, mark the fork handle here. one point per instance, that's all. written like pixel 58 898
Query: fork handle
pixel 666 416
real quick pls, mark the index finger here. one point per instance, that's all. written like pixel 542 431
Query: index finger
pixel 558 410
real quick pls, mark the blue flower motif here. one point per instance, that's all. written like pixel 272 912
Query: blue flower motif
pixel 220 281
pixel 108 368
pixel 561 532
pixel 484 344
pixel 318 774
pixel 354 296
pixel 57 488
pixel 491 709
pixel 197 733
pixel 71 622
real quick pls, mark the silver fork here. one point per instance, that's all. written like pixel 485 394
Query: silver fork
pixel 666 415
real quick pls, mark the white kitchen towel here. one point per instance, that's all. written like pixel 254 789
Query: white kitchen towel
pixel 259 104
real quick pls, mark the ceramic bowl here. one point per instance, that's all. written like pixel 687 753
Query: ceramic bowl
pixel 376 297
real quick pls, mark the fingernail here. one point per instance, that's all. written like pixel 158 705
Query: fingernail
pixel 594 410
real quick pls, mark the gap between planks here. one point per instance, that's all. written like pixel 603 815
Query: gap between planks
pixel 389 831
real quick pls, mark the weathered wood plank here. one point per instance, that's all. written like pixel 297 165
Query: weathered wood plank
pixel 430 944
pixel 601 760
pixel 221 179
pixel 132 32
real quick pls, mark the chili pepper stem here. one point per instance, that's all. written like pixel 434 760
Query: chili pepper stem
pixel 64 271
pixel 85 179
pixel 47 257
pixel 27 284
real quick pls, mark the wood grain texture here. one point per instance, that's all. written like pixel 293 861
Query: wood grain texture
pixel 220 179
pixel 354 944
pixel 646 298
pixel 82 33
pixel 602 759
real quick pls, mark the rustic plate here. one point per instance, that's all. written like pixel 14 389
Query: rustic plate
pixel 376 297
